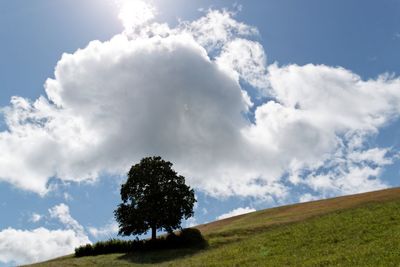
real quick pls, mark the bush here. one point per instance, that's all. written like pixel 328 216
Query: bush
pixel 186 238
pixel 105 247
pixel 189 237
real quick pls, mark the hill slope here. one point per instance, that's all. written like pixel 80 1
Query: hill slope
pixel 357 230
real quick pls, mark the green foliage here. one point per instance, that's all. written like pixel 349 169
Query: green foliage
pixel 153 197
pixel 186 238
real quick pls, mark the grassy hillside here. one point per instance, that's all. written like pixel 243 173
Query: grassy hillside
pixel 357 230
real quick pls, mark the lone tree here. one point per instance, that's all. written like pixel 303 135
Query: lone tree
pixel 153 197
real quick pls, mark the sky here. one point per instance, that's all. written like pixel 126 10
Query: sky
pixel 257 103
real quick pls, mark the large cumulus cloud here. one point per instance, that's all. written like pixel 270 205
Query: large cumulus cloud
pixel 182 93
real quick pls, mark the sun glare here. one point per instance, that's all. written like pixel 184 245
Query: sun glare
pixel 133 13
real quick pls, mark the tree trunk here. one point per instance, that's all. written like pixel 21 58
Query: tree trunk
pixel 153 233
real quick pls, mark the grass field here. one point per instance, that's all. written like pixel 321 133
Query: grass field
pixel 357 230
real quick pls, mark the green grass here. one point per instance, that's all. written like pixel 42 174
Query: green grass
pixel 359 230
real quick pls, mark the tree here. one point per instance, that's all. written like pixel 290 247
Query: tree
pixel 153 197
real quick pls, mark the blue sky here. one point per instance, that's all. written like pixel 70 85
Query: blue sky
pixel 284 101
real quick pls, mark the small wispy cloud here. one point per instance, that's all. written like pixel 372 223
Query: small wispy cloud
pixel 235 212
pixel 308 197
pixel 191 222
pixel 104 231
pixel 35 217
pixel 67 196
pixel 61 212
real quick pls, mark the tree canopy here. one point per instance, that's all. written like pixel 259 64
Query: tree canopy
pixel 153 197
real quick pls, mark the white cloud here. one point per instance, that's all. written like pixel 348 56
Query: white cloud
pixel 191 222
pixel 28 246
pixel 67 197
pixel 35 217
pixel 181 114
pixel 308 197
pixel 134 13
pixel 235 212
pixel 105 231
pixel 61 212
pixel 373 155
pixel 217 28
pixel 320 122
pixel 177 93
pixel 204 211
pixel 246 60
pixel 354 179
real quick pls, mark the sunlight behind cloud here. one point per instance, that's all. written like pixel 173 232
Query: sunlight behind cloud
pixel 133 13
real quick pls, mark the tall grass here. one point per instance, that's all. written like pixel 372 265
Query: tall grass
pixel 186 238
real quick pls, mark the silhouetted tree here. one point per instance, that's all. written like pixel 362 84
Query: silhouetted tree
pixel 153 197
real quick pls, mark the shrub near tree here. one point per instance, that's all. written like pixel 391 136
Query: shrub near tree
pixel 186 238
pixel 154 197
